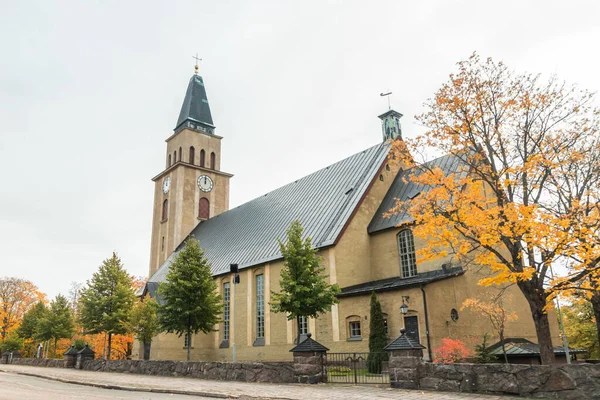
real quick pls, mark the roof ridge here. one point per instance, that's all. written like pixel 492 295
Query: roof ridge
pixel 247 234
pixel 296 181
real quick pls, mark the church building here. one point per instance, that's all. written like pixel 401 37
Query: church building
pixel 342 209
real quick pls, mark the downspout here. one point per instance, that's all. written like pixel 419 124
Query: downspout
pixel 426 323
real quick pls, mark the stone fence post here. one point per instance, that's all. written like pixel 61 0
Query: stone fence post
pixel 70 357
pixel 405 364
pixel 84 354
pixel 309 357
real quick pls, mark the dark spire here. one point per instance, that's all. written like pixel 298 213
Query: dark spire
pixel 195 111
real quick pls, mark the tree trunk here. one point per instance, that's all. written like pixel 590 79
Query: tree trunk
pixel 537 301
pixel 503 347
pixel 189 343
pixel 298 329
pixel 596 307
pixel 109 345
pixel 147 346
pixel 55 340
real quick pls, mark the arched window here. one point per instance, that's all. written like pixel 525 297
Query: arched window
pixel 212 160
pixel 165 209
pixel 174 157
pixel 169 160
pixel 192 154
pixel 203 208
pixel 406 249
pixel 202 157
pixel 180 154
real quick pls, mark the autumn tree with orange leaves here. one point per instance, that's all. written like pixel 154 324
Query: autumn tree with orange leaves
pixel 527 195
pixel 17 296
pixel 495 312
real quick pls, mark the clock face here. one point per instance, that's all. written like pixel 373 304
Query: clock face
pixel 205 183
pixel 166 185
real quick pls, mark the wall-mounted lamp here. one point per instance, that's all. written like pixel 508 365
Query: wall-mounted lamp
pixel 404 306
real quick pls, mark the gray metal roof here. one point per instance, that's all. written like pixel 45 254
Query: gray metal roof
pixel 404 189
pixel 397 283
pixel 323 202
pixel 403 342
pixel 524 347
pixel 195 106
pixel 309 345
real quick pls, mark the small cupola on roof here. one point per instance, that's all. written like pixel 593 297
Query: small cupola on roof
pixel 390 125
pixel 195 111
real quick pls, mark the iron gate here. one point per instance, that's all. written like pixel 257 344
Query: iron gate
pixel 356 368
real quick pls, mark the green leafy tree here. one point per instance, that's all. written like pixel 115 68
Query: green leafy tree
pixel 57 322
pixel 483 355
pixel 12 342
pixel 377 338
pixel 31 320
pixel 190 301
pixel 580 327
pixel 145 323
pixel 305 291
pixel 106 302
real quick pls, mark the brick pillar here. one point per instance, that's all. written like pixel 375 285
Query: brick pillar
pixel 406 364
pixel 309 356
pixel 83 355
pixel 308 367
pixel 70 357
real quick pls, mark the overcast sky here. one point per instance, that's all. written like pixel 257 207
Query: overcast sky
pixel 89 91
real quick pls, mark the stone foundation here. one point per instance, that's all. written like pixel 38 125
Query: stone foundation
pixel 273 372
pixel 245 371
pixel 39 362
pixel 561 381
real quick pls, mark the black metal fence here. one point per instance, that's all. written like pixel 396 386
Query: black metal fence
pixel 356 368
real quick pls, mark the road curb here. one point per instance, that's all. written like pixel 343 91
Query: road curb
pixel 131 388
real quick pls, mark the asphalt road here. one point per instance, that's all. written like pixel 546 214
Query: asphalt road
pixel 21 387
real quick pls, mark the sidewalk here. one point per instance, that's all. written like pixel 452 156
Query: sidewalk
pixel 236 390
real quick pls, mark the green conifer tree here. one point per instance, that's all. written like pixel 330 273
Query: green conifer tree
pixel 190 303
pixel 483 355
pixel 57 322
pixel 105 303
pixel 305 291
pixel 31 320
pixel 377 338
pixel 145 323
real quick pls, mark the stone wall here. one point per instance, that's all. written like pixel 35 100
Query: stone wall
pixel 274 372
pixel 39 362
pixel 575 381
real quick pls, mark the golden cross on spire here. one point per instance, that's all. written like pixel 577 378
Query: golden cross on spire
pixel 197 61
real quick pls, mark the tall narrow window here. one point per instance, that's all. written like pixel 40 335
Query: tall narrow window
pixel 303 325
pixel 187 341
pixel 203 208
pixel 192 154
pixel 165 209
pixel 406 248
pixel 174 157
pixel 180 154
pixel 213 160
pixel 226 300
pixel 169 160
pixel 162 246
pixel 202 157
pixel 260 307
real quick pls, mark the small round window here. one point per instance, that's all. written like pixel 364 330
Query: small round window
pixel 454 315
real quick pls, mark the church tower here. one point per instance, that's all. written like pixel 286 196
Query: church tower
pixel 192 188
